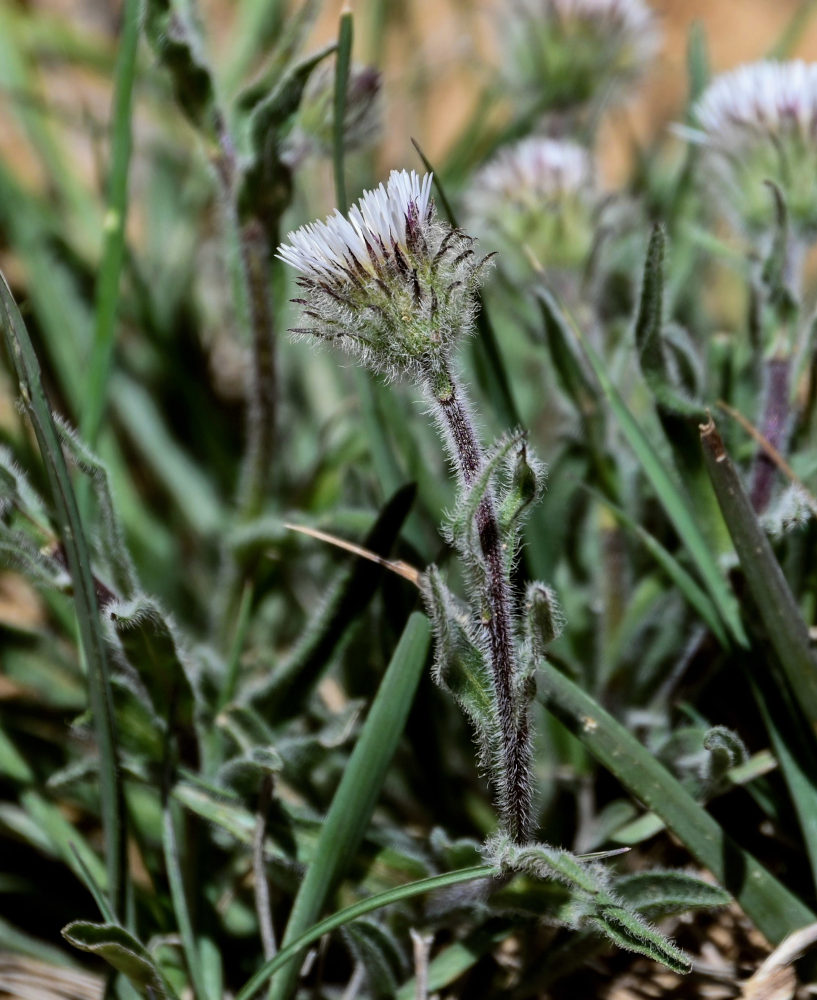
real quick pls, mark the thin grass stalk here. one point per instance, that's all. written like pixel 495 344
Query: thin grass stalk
pixel 92 640
pixel 113 246
pixel 170 846
pixel 291 951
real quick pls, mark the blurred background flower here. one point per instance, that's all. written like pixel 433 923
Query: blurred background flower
pixel 758 123
pixel 538 196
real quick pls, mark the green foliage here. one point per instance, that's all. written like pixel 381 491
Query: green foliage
pixel 218 742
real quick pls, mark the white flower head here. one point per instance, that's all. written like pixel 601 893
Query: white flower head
pixel 759 122
pixel 390 283
pixel 540 194
pixel 566 54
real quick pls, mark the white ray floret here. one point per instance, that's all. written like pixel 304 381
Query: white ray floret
pixel 377 220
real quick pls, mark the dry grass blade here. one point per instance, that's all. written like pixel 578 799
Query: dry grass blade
pixel 24 978
pixel 404 569
pixel 772 452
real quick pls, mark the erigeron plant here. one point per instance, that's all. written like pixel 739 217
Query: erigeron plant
pixel 568 56
pixel 396 287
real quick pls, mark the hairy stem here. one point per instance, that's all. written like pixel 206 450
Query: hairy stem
pixel 467 455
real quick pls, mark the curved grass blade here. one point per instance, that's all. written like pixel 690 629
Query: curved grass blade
pixel 354 801
pixel 368 905
pixel 774 909
pixel 71 534
pixel 674 503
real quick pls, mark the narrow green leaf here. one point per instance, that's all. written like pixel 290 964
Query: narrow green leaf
pixel 775 910
pixel 113 239
pixel 368 905
pixel 775 603
pixel 696 597
pixel 657 893
pixel 342 65
pixel 650 317
pixel 785 45
pixel 12 763
pixel 620 926
pixel 352 805
pixel 668 493
pixel 71 534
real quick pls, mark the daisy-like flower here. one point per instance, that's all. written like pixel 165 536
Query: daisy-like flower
pixel 390 283
pixel 759 122
pixel 540 194
pixel 567 54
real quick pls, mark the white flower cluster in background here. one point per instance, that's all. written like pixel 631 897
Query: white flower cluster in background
pixel 567 54
pixel 538 196
pixel 756 123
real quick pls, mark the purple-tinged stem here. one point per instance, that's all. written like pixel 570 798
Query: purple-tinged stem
pixel 774 427
pixel 466 451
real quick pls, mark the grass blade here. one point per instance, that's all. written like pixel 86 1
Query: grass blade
pixel 685 583
pixel 281 697
pixel 352 805
pixel 775 910
pixel 113 246
pixel 342 64
pixel 775 603
pixel 368 905
pixel 673 501
pixel 69 529
pixel 180 907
